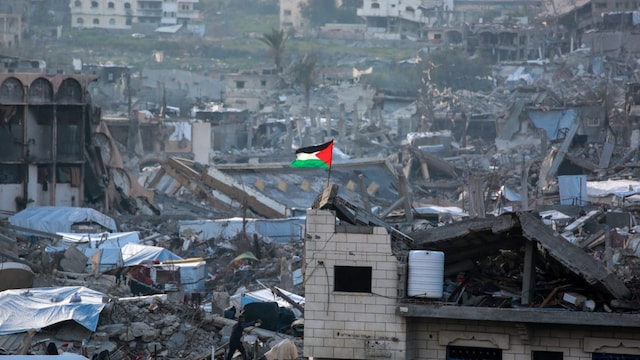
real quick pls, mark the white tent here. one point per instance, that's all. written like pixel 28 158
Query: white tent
pixel 25 309
pixel 136 254
pixel 102 249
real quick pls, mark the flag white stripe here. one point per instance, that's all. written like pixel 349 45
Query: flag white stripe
pixel 305 156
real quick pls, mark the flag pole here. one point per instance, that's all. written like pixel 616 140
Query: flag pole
pixel 330 165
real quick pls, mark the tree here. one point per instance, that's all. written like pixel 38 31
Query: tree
pixel 304 73
pixel 275 41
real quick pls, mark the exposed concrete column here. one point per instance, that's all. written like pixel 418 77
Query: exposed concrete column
pixel 54 156
pixel 342 125
pixel 425 169
pixel 404 192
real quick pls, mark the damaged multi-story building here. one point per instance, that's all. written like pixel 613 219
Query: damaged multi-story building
pixel 44 129
pixel 496 29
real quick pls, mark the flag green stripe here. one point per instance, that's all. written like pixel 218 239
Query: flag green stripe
pixel 316 163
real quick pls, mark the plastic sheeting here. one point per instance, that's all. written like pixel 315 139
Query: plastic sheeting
pixel 573 190
pixel 284 350
pixel 192 274
pixel 266 295
pixel 25 309
pixel 54 219
pixel 553 121
pixel 620 188
pixel 106 244
pixel 278 230
pixel 136 254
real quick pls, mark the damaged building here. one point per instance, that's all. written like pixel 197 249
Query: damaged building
pixel 45 127
pixel 496 288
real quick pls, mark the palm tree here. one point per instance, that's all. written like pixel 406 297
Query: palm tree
pixel 275 41
pixel 304 73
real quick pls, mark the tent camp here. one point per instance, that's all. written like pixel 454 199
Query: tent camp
pixel 102 249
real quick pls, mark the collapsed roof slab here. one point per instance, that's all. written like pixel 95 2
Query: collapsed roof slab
pixel 480 237
pixel 571 256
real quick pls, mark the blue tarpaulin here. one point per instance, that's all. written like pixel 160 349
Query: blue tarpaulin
pixel 55 219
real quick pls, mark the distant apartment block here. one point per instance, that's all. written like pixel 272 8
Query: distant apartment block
pixel 10 31
pixel 119 14
pixel 291 19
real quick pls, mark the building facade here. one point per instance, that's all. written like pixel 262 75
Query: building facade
pixel 123 14
pixel 291 19
pixel 356 307
pixel 43 127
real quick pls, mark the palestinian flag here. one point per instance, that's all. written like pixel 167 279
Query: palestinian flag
pixel 317 156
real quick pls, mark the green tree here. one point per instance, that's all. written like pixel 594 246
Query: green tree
pixel 275 41
pixel 304 74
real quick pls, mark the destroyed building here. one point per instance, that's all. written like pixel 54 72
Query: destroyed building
pixel 495 288
pixel 44 130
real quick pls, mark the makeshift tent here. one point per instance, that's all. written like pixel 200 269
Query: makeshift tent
pixel 135 254
pixel 266 295
pixel 25 309
pixel 278 230
pixel 103 249
pixel 54 219
pixel 193 273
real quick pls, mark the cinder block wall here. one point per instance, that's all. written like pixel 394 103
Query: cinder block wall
pixel 345 325
pixel 429 338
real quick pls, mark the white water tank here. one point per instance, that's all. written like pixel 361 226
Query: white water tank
pixel 426 274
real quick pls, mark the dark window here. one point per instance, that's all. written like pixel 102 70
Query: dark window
pixel 94 4
pixel 239 84
pixel 601 356
pixel 547 355
pixel 472 353
pixel 10 174
pixel 287 12
pixel 112 21
pixel 77 3
pixel 352 278
pixel 111 5
pixel 127 5
pixel 80 21
pixel 263 83
pixel 375 6
pixel 96 21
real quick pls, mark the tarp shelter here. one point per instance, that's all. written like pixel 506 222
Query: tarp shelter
pixel 278 230
pixel 25 309
pixel 573 190
pixel 193 273
pixel 55 219
pixel 102 249
pixel 266 295
pixel 136 254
